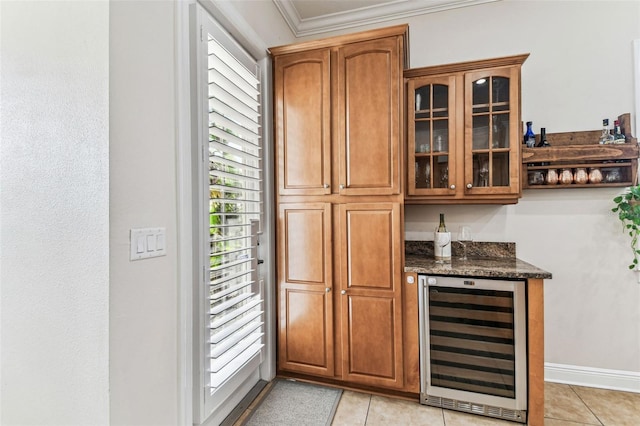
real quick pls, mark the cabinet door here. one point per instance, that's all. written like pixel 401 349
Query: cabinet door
pixel 492 138
pixel 371 294
pixel 306 335
pixel 369 79
pixel 303 122
pixel 431 136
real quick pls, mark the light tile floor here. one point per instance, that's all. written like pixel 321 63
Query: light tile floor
pixel 565 405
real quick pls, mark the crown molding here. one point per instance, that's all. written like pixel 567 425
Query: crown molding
pixel 375 14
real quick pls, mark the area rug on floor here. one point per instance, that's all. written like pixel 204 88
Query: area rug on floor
pixel 291 403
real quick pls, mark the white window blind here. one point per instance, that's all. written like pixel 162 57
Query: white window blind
pixel 235 326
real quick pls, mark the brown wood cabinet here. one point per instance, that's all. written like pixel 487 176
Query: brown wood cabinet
pixel 371 295
pixel 305 283
pixel 338 131
pixel 463 125
pixel 303 122
pixel 338 115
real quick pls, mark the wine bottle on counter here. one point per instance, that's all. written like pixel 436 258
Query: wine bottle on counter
pixel 529 136
pixel 442 242
pixel 442 227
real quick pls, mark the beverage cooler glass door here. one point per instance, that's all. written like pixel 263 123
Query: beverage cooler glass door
pixel 473 346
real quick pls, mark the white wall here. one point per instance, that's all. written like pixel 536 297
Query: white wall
pixel 54 233
pixel 143 344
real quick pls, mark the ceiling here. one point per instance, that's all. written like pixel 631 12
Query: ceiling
pixel 308 17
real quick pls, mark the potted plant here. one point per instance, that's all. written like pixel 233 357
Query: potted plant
pixel 628 209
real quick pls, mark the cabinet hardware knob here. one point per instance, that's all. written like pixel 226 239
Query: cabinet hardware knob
pixel 326 185
pixel 343 292
pixel 341 186
pixel 328 289
pixel 452 187
pixel 469 186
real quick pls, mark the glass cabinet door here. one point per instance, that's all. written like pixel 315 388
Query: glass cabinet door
pixel 490 155
pixel 431 135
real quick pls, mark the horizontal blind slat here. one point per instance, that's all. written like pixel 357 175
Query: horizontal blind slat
pixel 218 363
pixel 219 334
pixel 218 349
pixel 217 121
pixel 243 64
pixel 222 375
pixel 220 320
pixel 221 307
pixel 245 118
pixel 231 289
pixel 229 277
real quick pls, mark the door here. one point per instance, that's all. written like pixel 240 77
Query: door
pixel 369 117
pixel 432 139
pixel 305 297
pixel 303 122
pixel 370 296
pixel 492 137
pixel 228 289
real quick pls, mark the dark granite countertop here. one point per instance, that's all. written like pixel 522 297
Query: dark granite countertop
pixel 490 267
pixel 489 260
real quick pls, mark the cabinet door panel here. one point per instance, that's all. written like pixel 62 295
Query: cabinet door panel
pixel 306 334
pixel 303 119
pixel 492 140
pixel 372 321
pixel 306 316
pixel 369 234
pixel 370 299
pixel 431 131
pixel 368 106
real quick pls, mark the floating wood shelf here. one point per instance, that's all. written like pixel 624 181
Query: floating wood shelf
pixel 618 163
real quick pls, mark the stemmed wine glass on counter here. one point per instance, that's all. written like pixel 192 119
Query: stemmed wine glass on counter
pixel 464 238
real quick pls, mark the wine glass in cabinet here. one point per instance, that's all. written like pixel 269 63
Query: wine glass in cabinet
pixel 491 136
pixel 430 133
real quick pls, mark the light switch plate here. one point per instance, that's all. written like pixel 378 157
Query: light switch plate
pixel 147 242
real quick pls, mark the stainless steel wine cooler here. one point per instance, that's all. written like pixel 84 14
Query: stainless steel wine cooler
pixel 473 346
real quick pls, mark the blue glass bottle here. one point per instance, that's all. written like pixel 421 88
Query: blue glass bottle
pixel 529 136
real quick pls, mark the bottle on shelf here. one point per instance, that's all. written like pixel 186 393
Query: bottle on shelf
pixel 606 136
pixel 543 138
pixel 529 136
pixel 442 242
pixel 618 137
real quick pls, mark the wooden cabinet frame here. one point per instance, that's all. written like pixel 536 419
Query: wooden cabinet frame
pixel 338 107
pixel 461 188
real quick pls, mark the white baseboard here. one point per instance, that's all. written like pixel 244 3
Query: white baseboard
pixel 628 381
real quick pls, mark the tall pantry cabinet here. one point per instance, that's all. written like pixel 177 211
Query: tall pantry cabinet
pixel 338 132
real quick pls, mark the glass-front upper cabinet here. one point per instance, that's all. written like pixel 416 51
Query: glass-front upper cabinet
pixel 463 132
pixel 491 132
pixel 431 134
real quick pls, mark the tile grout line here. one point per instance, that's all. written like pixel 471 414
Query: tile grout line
pixel 366 416
pixel 586 405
